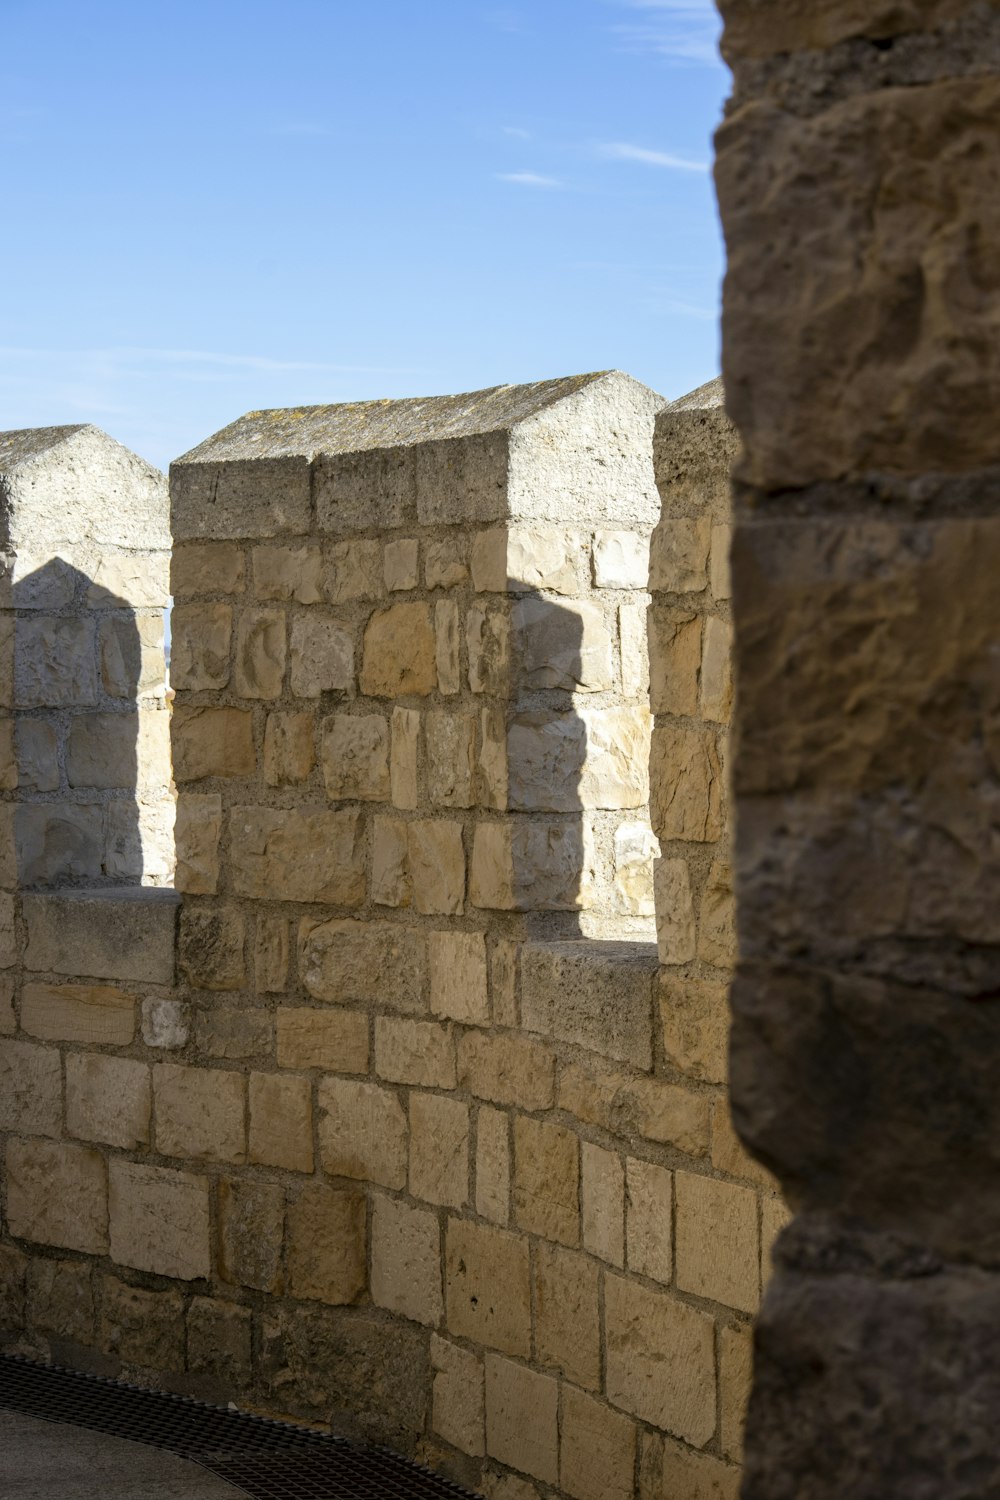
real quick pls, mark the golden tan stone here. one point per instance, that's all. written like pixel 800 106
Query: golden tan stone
pixel 212 742
pixel 289 748
pixel 447 647
pixel 675 652
pixel 597 1450
pixel 716 1237
pixel 391 884
pixel 403 758
pixel 159 1220
pixel 321 655
pixel 450 741
pixel 439 1150
pixel 89 1013
pixel 210 946
pixel 401 565
pixel 507 1068
pixel 436 858
pixel 678 560
pixel 346 961
pixel 327 1259
pixel 696 1476
pixel 355 757
pixel 695 1027
pixel 686 784
pixel 488 1286
pixel 261 650
pixel 288 573
pixel 602 1199
pixel 458 989
pixel 30 1088
pixel 200 636
pixel 445 562
pixel 399 654
pixel 487 633
pixel 197 829
pixel 648 1217
pixel 362 1132
pixel 332 1041
pixel 251 1233
pixel 547 1180
pixel 280 1113
pixel 735 1375
pixel 414 1052
pixel 567 1317
pixel 717 921
pixel 720 573
pixel 522 1427
pixel 354 571
pixel 457 1403
pixel 57 1194
pixel 206 568
pixel 660 1359
pixel 716 700
pixel 108 1100
pixel 298 855
pixel 199 1113
pixel 406 1260
pixel 492 1166
pixel 270 954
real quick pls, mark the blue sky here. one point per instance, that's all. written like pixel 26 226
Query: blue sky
pixel 215 206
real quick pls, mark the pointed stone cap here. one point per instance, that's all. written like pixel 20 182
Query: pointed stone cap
pixel 694 450
pixel 554 450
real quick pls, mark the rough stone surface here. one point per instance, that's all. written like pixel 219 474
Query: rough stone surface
pixel 297 855
pixel 522 1427
pixel 597 1450
pixel 159 1220
pixel 593 995
pixel 488 1287
pixel 57 1195
pixel 362 1132
pixel 567 1316
pixel 108 1100
pixel 458 1410
pixel 326 1244
pixel 251 1233
pixel 660 1360
pixel 406 1261
pixel 359 961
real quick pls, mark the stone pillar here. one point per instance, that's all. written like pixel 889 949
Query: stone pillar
pixel 858 177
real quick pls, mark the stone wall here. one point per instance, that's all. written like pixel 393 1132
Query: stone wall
pixel 858 174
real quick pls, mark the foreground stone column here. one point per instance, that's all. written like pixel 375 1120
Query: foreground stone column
pixel 858 175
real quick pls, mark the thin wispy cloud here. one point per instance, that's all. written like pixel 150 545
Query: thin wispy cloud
pixel 193 362
pixel 529 179
pixel 622 151
pixel 680 31
pixel 516 133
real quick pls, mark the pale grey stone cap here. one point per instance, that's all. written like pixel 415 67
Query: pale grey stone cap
pixel 711 394
pixel 694 448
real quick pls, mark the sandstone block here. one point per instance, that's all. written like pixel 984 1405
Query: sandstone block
pixel 561 646
pixel 717 1246
pixel 621 560
pixel 676 929
pixel 439 1150
pixel 141 580
pixel 60 1299
pixel 567 1316
pixel 280 1132
pixel 57 843
pixel 445 563
pixel 251 1232
pixel 546 558
pixel 270 954
pixel 165 1022
pixel 633 648
pixel 101 750
pixel 533 866
pixel 493 772
pixel 56 662
pixel 362 1132
pixel 332 1041
pixel 199 1113
pixel 588 758
pixel 212 742
pixel 675 660
pixel 668 1470
pixel 717 671
pixel 674 1116
pixel 436 858
pixel 198 828
pixel 660 1360
pixel 289 750
pixel 142 1327
pixel 354 571
pixel 381 962
pixel 547 1180
pixel 678 556
pixel 522 1427
pixel 327 1250
pixel 239 497
pixel 218 1341
pixel 492 1166
pixel 594 997
pixel 602 1202
pixel 487 633
pixel 390 866
pixel 415 1052
pixel 406 1260
pixel 686 784
pixel 635 849
pixel 57 1194
pixel 37 767
pixel 403 758
pixel 458 987
pixel 298 855
pixel 261 649
pixel 200 637
pixel 131 657
pixel 694 1016
pixel 321 655
pixel 597 1450
pixel 458 1404
pixel 649 1216
pixel 488 560
pixel 735 1375
pixel 210 947
pixel 206 568
pixel 717 923
pixel 288 573
pixel 87 1013
pixel 505 982
pixel 399 655
pixel 720 575
pixel 447 647
pixel 232 1032
pixel 30 1088
pixel 401 565
pixel 450 741
pixel 355 757
pixel 507 1069
pixel 488 1287
pixel 108 1100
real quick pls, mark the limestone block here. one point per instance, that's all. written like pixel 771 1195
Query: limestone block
pixel 259 497
pixel 522 1427
pixel 621 560
pixel 493 771
pixel 8 1021
pixel 665 1113
pixel 13 1266
pixel 260 653
pixel 720 572
pixel 401 565
pixel 635 849
pixel 414 1052
pixel 403 758
pixel 355 757
pixel 602 1202
pixel 488 560
pixel 354 571
pixel 200 637
pixel 505 982
pixel 634 650
pixel 678 556
pixel 597 1450
pixel 270 954
pixel 507 1068
pixel 332 1041
pixel 686 784
pixel 206 568
pixel 37 750
pixel 457 1413
pixel 735 1375
pixel 399 653
pixel 450 741
pixel 668 1470
pixel 676 930
pixel 165 1022
pixel 439 1150
pixel 288 573
pixel 30 1088
pixel 321 654
pixel 381 962
pixel 406 1260
pixel 717 1247
pixel 198 828
pixel 289 749
pixel 729 1154
pixel 87 1013
pixel 119 578
pixel 445 562
pixel 675 660
pixel 373 487
pixel 436 858
pixel 717 924
pixel 390 866
pixel 218 1341
pixel 60 1298
pixel 327 1250
pixel 660 1360
pixel 561 646
pixel 59 842
pixel 492 1166
pixel 119 934
pixel 232 1032
pixel 210 947
pixel 362 1132
pixel 462 479
pixel 487 633
pixel 251 1234
pixel 57 1194
pixel 458 986
pixel 56 662
pixel 567 1316
pixel 533 866
pixel 140 849
pixel 547 1180
pixel 716 671
pixel 298 855
pixel 546 558
pixel 546 754
pixel 199 1113
pixel 695 1019
pixel 649 1215
pixel 488 1287
pixel 131 656
pixel 590 996
pixel 108 1100
pixel 280 1122
pixel 142 1327
pixel 212 742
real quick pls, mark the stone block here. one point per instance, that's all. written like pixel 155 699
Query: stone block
pixel 567 1315
pixel 675 659
pixel 139 579
pixel 8 1020
pixel 716 702
pixel 399 653
pixel 447 647
pixel 401 565
pixel 403 758
pixel 536 865
pixel 660 1360
pixel 60 1299
pixel 548 559
pixel 735 1376
pixel 717 919
pixel 369 488
pixel 649 1220
pixel 597 1450
pixel 462 479
pixel 261 651
pixel 488 560
pixel 450 741
pixel 492 1166
pixel 37 768
pixel 547 1180
pixel 522 1427
pixel 166 1023
pixel 678 556
pixel 487 634
pixel 686 788
pixel 210 947
pixel 251 1233
pixel 457 1412
pixel 101 750
pixel 131 656
pixel 414 1052
pixel 621 560
pixel 445 563
pixel 198 828
pixel 88 1013
pixel 587 758
pixel 57 1194
pixel 505 982
pixel 729 1154
pixel 717 1246
pixel 633 648
pixel 298 854
pixel 240 497
pixel 280 1122
pixel 13 1269
pixel 56 662
pixel 562 645
pixel 108 1100
pixel 493 772
pixel 362 1132
pixel 212 742
pixel 354 571
pixel 327 1248
pixel 602 1203
pixel 458 987
pixel 720 573
pixel 271 953
pixel 332 1041
pixel 200 639
pixel 390 865
pixel 233 1033
pixel 488 1286
pixel 30 1088
pixel 321 655
pixel 199 1113
pixel 140 1327
pixel 507 1069
pixel 694 1016
pixel 669 1470
pixel 676 929
pixel 59 842
pixel 218 1341
pixel 355 757
pixel 635 849
pixel 406 1260
pixel 439 1150
pixel 206 568
pixel 383 962
pixel 289 573
pixel 597 996
pixel 289 748
pixel 436 857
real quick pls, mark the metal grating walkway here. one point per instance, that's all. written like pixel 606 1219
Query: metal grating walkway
pixel 267 1460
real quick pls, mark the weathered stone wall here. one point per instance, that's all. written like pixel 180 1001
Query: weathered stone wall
pixel 858 173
